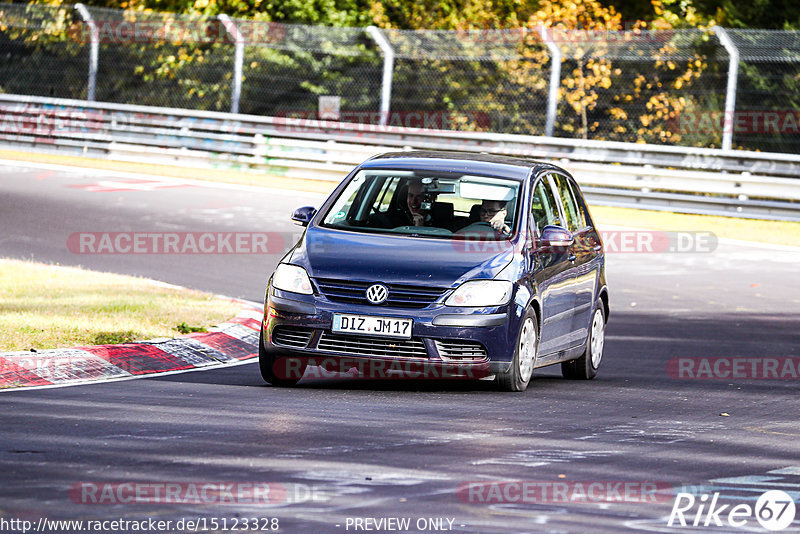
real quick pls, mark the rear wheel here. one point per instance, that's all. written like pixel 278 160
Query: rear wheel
pixel 519 373
pixel 280 371
pixel 585 367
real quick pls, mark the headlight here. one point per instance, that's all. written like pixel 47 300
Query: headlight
pixel 481 293
pixel 292 278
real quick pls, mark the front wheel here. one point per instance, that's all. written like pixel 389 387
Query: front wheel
pixel 585 367
pixel 519 373
pixel 279 371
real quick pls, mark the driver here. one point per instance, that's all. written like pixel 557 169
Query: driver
pixel 409 210
pixel 415 212
pixel 414 199
pixel 494 213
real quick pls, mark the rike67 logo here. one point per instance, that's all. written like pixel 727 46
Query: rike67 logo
pixel 774 510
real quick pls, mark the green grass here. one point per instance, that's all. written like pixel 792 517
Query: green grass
pixel 49 306
pixel 761 231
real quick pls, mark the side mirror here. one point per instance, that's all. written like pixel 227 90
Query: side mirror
pixel 302 216
pixel 555 237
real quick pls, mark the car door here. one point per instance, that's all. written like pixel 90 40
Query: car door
pixel 582 253
pixel 554 278
pixel 588 259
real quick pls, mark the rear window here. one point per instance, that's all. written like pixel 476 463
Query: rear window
pixel 543 206
pixel 574 217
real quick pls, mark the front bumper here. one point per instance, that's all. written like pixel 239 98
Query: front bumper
pixel 470 341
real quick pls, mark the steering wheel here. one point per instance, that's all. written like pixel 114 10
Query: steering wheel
pixel 479 227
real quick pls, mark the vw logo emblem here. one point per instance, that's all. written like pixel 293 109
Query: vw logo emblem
pixel 377 294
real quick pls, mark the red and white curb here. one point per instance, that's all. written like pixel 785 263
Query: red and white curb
pixel 231 343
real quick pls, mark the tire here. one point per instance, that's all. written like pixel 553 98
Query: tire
pixel 267 364
pixel 585 367
pixel 526 351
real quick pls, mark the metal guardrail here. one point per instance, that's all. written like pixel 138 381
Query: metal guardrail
pixel 695 180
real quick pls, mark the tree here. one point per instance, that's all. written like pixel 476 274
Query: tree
pixel 612 85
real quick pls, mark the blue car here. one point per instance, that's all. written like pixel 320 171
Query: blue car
pixel 441 265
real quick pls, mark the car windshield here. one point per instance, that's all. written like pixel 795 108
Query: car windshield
pixel 426 204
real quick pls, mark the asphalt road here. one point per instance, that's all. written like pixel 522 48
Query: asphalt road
pixel 345 451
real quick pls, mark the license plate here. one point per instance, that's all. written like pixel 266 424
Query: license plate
pixel 370 325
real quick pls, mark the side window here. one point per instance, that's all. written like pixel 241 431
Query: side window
pixel 583 210
pixel 574 217
pixel 543 207
pixel 384 198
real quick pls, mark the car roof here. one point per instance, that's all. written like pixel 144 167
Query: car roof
pixel 465 162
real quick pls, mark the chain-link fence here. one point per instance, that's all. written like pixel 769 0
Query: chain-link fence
pixel 38 55
pixel 287 67
pixel 768 90
pixel 161 59
pixel 644 85
pixel 668 87
pixel 473 80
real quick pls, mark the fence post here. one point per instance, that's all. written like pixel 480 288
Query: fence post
pixel 238 60
pixel 94 47
pixel 730 93
pixel 555 81
pixel 388 68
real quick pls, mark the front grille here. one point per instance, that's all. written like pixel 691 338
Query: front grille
pixel 400 295
pixel 461 350
pixel 296 337
pixel 372 346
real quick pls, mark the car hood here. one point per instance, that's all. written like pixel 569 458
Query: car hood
pixel 399 259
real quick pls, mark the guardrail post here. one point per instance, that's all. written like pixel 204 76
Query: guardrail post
pixel 730 93
pixel 388 68
pixel 94 46
pixel 555 81
pixel 238 60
